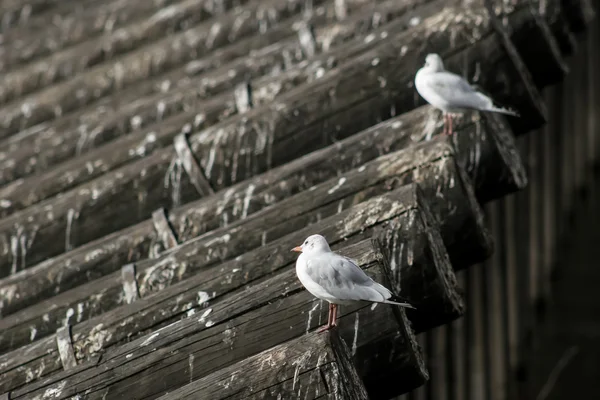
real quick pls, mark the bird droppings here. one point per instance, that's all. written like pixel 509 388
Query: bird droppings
pixel 150 339
pixel 204 315
pixel 341 181
pixel 355 339
pixel 202 298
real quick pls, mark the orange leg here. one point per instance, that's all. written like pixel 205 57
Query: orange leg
pixel 331 319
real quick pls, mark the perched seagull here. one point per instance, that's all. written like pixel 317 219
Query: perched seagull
pixel 336 279
pixel 451 93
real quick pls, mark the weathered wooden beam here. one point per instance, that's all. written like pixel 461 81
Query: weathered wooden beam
pixel 312 365
pixel 76 41
pixel 157 363
pixel 418 269
pixel 551 11
pixel 579 14
pixel 535 43
pixel 185 298
pixel 248 144
pixel 15 12
pixel 50 102
pixel 485 149
pixel 430 164
pixel 195 94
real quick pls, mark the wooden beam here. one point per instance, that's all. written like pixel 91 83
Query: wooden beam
pixel 192 45
pixel 419 269
pixel 313 364
pixel 505 76
pixel 535 43
pixel 494 164
pixel 137 63
pixel 184 298
pixel 276 305
pixel 579 14
pixel 97 34
pixel 286 133
pixel 437 174
pixel 190 100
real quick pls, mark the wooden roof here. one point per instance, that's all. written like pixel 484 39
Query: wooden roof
pixel 158 159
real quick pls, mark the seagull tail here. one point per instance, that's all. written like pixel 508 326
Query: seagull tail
pixel 393 299
pixel 489 106
pixel 398 304
pixel 503 110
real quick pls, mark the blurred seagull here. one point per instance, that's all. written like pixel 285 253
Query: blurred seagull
pixel 451 93
pixel 336 279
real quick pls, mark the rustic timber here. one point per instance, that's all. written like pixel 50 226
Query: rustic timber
pixel 493 165
pixel 228 151
pixel 186 90
pixel 190 165
pixel 65 347
pixel 579 14
pixel 551 11
pixel 420 273
pixel 535 43
pixel 463 234
pixel 75 43
pixel 243 97
pixel 314 365
pixel 50 102
pixel 252 263
pixel 163 228
pixel 130 286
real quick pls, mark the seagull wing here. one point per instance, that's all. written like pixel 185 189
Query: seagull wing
pixel 344 280
pixel 454 91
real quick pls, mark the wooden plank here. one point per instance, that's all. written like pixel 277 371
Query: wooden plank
pixel 458 356
pixel 551 11
pixel 98 32
pixel 494 285
pixel 163 228
pixel 65 348
pixel 130 286
pixel 419 268
pixel 190 104
pixel 143 314
pixel 476 346
pixel 579 14
pixel 194 44
pixel 439 385
pixel 74 66
pixel 262 228
pixel 488 161
pixel 286 133
pixel 514 308
pixel 313 365
pixel 190 165
pixel 165 352
pixel 185 90
pixel 535 43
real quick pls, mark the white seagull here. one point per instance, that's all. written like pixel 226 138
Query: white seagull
pixel 336 279
pixel 451 93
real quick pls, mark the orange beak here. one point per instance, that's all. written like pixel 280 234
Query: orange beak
pixel 298 249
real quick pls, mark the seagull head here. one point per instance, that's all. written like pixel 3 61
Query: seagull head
pixel 433 62
pixel 313 244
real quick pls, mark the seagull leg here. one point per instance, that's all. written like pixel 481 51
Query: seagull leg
pixel 450 125
pixel 328 326
pixel 334 319
pixel 445 123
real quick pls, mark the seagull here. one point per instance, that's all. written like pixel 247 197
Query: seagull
pixel 451 93
pixel 336 279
